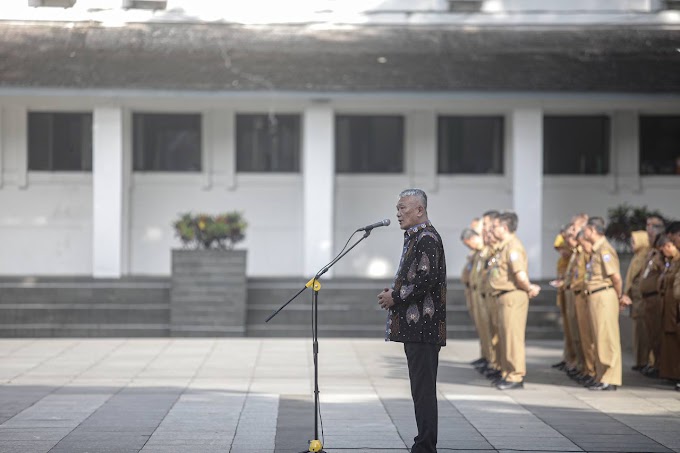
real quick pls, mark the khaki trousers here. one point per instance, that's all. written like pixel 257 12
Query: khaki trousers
pixel 585 331
pixel 654 325
pixel 492 310
pixel 513 308
pixel 568 355
pixel 604 316
pixel 472 311
pixel 572 323
pixel 482 323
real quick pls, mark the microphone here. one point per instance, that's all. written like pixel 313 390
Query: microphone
pixel 384 222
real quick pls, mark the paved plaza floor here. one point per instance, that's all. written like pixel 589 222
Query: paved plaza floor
pixel 254 395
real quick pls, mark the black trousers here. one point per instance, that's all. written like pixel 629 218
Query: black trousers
pixel 423 360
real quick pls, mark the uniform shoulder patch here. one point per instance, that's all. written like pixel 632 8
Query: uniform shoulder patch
pixel 606 257
pixel 514 255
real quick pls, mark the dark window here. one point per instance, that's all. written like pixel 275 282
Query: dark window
pixel 575 145
pixel 166 142
pixel 369 144
pixel 470 144
pixel 59 141
pixel 268 143
pixel 660 145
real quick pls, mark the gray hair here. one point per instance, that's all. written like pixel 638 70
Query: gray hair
pixel 598 224
pixel 468 233
pixel 418 193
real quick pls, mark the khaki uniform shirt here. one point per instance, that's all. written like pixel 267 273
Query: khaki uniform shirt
pixel 604 262
pixel 467 269
pixel 477 273
pixel 571 265
pixel 577 278
pixel 509 259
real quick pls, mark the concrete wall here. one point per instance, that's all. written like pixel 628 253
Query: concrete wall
pixel 45 219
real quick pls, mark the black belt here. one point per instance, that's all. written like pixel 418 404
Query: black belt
pixel 588 293
pixel 504 292
pixel 577 292
pixel 650 294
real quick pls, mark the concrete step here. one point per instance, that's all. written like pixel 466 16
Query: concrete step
pixel 348 307
pixel 82 306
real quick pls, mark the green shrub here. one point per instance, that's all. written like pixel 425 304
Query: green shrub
pixel 203 231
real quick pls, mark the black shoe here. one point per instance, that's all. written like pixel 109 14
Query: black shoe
pixel 589 382
pixel 478 361
pixel 492 374
pixel 505 385
pixel 497 380
pixel 582 379
pixel 677 386
pixel 571 372
pixel 559 365
pixel 637 367
pixel 651 372
pixel 603 386
pixel 481 366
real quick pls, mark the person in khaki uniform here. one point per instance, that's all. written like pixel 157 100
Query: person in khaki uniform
pixel 650 294
pixel 604 292
pixel 509 279
pixel 633 296
pixel 483 316
pixel 585 328
pixel 569 354
pixel 493 370
pixel 669 287
pixel 472 240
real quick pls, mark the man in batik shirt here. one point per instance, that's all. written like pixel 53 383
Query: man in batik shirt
pixel 417 311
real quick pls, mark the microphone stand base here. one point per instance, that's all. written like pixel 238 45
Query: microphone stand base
pixel 315 446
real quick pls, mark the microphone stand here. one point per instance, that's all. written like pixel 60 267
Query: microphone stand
pixel 315 445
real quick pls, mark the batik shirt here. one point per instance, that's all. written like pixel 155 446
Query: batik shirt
pixel 419 289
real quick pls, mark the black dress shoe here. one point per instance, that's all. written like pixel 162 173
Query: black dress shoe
pixel 589 382
pixel 481 365
pixel 559 365
pixel 603 386
pixel 492 374
pixel 582 379
pixel 677 386
pixel 478 361
pixel 651 372
pixel 637 367
pixel 505 385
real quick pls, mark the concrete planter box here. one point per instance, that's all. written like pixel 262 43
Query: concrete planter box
pixel 208 293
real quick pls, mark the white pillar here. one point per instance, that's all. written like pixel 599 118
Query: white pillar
pixel 108 189
pixel 318 167
pixel 526 136
pixel 421 133
pixel 2 141
pixel 625 152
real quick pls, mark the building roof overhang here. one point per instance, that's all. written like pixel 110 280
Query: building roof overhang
pixel 301 58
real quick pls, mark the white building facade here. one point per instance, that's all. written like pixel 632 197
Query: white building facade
pixel 305 195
